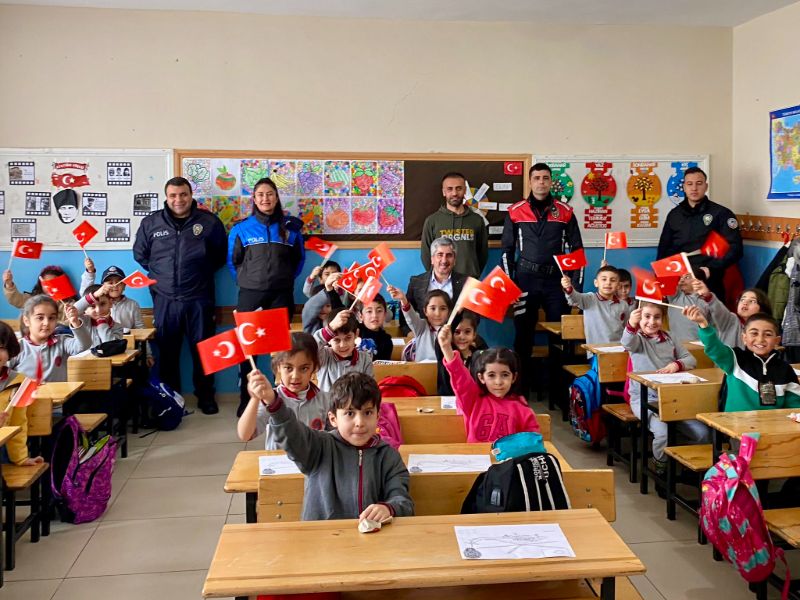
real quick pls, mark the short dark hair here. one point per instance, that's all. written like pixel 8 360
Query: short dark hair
pixel 762 316
pixel 178 182
pixel 302 342
pixel 693 170
pixel 607 269
pixel 624 276
pixel 504 356
pixel 8 340
pixel 355 390
pixel 91 289
pixel 764 304
pixel 453 174
pixel 472 317
pixel 660 307
pixel 378 298
pixel 437 294
pixel 334 264
pixel 540 166
pixel 350 326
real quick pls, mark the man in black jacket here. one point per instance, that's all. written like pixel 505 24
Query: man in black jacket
pixel 687 226
pixel 181 247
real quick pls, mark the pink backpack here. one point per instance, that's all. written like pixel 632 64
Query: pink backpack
pixel 389 425
pixel 732 518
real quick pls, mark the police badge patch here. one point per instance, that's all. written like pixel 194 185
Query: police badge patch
pixel 707 219
pixel 197 229
pixel 733 223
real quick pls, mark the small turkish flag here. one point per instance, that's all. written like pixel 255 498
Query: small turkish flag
pixel 321 247
pixel 512 167
pixel 24 396
pixel 507 289
pixel 381 256
pixel 23 249
pixel 484 300
pixel 263 331
pixel 366 271
pixel 220 352
pixel 648 288
pixel 616 240
pixel 369 290
pixel 572 261
pixel 137 279
pixel 715 246
pixel 672 266
pixel 84 233
pixel 58 288
pixel 349 279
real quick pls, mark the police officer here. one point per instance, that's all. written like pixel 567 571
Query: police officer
pixel 535 230
pixel 181 247
pixel 687 226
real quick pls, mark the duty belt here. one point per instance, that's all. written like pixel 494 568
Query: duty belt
pixel 527 266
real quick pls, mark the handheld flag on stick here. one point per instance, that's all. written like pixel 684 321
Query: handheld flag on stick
pixel 321 247
pixel 83 234
pixel 137 279
pixel 572 261
pixel 25 394
pixel 25 249
pixel 368 292
pixel 58 288
pixel 676 265
pixel 263 331
pixel 615 240
pixel 220 352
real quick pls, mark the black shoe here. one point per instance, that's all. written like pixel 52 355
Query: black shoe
pixel 208 407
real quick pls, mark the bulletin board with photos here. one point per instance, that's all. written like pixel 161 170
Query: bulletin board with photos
pixel 357 198
pixel 627 193
pixel 46 193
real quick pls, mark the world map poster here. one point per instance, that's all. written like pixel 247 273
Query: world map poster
pixel 784 154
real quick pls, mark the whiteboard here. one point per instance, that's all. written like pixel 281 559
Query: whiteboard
pixel 114 190
pixel 629 193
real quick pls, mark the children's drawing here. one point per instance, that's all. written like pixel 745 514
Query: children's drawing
pixel 390 178
pixel 337 178
pixel 364 215
pixel 498 542
pixel 364 177
pixel 311 213
pixel 309 178
pixel 290 205
pixel 225 176
pixel 337 215
pixel 283 173
pixel 198 172
pixel 390 215
pixel 230 209
pixel 252 171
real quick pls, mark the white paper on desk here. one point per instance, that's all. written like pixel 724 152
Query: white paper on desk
pixel 698 343
pixel 797 372
pixel 278 464
pixel 398 341
pixel 604 349
pixel 448 463
pixel 673 378
pixel 84 353
pixel 499 542
pixel 449 402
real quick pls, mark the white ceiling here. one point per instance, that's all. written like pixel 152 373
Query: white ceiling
pixel 721 13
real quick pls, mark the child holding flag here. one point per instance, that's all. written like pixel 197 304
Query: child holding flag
pixel 17 299
pixel 604 313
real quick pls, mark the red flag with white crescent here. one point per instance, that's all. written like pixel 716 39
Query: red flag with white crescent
pixel 572 261
pixel 676 265
pixel 381 256
pixel 506 291
pixel 715 246
pixel 263 331
pixel 25 249
pixel 616 240
pixel 369 290
pixel 648 287
pixel 58 288
pixel 321 247
pixel 220 352
pixel 137 279
pixel 84 233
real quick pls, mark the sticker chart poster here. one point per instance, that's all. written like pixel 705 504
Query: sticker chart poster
pixel 330 197
pixel 784 154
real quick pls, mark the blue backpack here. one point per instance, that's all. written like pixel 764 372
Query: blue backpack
pixel 164 406
pixel 585 415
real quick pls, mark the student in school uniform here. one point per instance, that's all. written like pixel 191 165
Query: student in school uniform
pixel 603 312
pixel 96 304
pixel 337 349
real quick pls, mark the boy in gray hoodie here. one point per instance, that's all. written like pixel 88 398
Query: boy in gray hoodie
pixel 350 472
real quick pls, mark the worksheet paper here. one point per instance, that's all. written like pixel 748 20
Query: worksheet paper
pixel 605 349
pixel 448 463
pixel 673 378
pixel 448 402
pixel 499 542
pixel 278 464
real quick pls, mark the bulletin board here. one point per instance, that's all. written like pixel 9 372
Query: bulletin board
pixel 358 197
pixel 627 193
pixel 114 191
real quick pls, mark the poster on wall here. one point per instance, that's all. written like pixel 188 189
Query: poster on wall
pixel 784 154
pixel 44 191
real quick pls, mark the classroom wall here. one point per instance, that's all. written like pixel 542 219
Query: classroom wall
pixel 765 54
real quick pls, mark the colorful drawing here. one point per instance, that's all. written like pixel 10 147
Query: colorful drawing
pixel 252 171
pixel 198 172
pixel 364 178
pixel 311 214
pixel 563 187
pixel 644 186
pixel 599 187
pixel 205 203
pixel 337 215
pixel 231 209
pixel 309 178
pixel 365 215
pixel 225 177
pixel 290 205
pixel 282 172
pixel 337 178
pixel 390 215
pixel 391 178
pixel 675 181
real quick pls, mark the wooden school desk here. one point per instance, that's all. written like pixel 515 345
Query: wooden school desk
pixel 58 392
pixel 712 384
pixel 119 360
pixel 273 558
pixel 696 349
pixel 6 433
pixel 612 367
pixel 244 474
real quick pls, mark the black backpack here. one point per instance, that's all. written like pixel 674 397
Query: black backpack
pixel 527 483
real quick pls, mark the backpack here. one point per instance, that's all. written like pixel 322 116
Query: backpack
pixel 732 518
pixel 389 425
pixel 530 482
pixel 401 386
pixel 585 416
pixel 164 407
pixel 80 472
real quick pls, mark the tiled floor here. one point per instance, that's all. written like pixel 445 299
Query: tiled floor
pixel 159 533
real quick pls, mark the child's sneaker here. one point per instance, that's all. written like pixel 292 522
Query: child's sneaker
pixel 658 466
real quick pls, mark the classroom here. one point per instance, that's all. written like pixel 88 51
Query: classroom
pixel 129 95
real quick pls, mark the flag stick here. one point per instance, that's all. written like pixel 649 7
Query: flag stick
pixel 386 281
pixel 10 258
pixel 651 301
pixel 253 362
pixel 605 248
pixel 357 298
pixel 84 252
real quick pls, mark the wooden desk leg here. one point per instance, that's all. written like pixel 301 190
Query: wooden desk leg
pixel 250 499
pixel 607 588
pixel 644 453
pixel 671 472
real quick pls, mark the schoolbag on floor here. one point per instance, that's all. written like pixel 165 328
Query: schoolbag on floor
pixel 530 482
pixel 80 472
pixel 585 415
pixel 164 407
pixel 732 519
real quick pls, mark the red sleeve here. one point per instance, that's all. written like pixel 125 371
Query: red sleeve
pixel 466 389
pixel 530 423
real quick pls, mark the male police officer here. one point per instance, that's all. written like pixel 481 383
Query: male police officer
pixel 687 226
pixel 181 247
pixel 535 230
